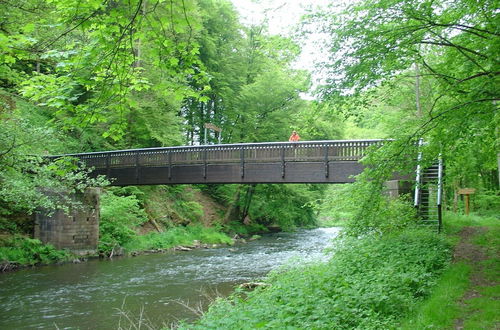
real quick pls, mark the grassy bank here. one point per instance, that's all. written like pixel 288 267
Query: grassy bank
pixel 179 236
pixel 139 219
pixel 370 283
pixel 410 280
pixel 467 295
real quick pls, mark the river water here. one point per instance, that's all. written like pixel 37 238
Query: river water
pixel 107 294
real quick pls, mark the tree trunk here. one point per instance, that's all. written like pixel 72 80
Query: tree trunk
pixel 417 90
pixel 233 206
pixel 248 201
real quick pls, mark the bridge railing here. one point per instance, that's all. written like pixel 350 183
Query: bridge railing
pixel 307 151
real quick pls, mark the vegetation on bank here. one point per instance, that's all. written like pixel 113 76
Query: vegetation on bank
pixel 147 218
pixel 367 284
pixel 18 251
pixel 134 219
pixel 406 279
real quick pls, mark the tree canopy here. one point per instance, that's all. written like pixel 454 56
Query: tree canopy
pixel 448 50
pixel 97 74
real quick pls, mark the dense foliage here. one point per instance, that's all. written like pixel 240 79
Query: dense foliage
pixel 95 75
pixel 176 215
pixel 26 251
pixel 367 284
pixel 178 236
pixel 91 75
pixel 120 215
pixel 417 69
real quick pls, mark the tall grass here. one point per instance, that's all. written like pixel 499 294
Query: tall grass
pixel 442 308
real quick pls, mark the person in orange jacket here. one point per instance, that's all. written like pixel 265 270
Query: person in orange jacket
pixel 294 137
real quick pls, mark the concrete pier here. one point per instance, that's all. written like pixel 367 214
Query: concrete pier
pixel 76 230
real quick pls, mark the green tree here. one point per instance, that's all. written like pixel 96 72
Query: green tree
pixel 93 58
pixel 453 44
pixel 253 92
pixel 437 57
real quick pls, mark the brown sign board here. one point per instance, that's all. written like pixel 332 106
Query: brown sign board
pixel 212 126
pixel 466 191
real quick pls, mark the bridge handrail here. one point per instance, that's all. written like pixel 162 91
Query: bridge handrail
pixel 374 141
pixel 440 193
pixel 324 151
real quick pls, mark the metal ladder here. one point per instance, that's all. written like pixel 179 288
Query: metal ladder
pixel 428 194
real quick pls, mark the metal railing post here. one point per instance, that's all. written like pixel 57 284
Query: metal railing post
pixel 418 174
pixel 282 161
pixel 440 194
pixel 108 164
pixel 137 167
pixel 169 156
pixel 204 163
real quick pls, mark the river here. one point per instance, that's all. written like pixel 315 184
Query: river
pixel 106 294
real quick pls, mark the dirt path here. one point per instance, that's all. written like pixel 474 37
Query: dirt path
pixel 474 255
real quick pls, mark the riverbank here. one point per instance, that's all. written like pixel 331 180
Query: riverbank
pixel 411 280
pixel 134 220
pixel 18 252
pixel 368 283
pixel 467 296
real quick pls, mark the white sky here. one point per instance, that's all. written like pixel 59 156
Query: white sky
pixel 283 16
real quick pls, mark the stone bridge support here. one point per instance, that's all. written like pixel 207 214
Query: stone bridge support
pixel 396 188
pixel 77 230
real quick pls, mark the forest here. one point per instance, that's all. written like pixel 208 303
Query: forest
pixel 94 75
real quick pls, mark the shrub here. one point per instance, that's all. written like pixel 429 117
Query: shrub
pixel 119 216
pixel 386 215
pixel 27 251
pixel 487 202
pixel 235 227
pixel 190 209
pixel 285 205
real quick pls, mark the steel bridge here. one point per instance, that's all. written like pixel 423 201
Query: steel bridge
pixel 335 161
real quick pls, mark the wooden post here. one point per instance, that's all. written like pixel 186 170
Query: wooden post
pixel 242 162
pixel 212 127
pixel 467 192
pixel 326 161
pixel 283 161
pixel 137 167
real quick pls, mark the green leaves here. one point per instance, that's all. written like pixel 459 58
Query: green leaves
pixel 379 52
pixel 27 251
pixel 95 57
pixel 120 215
pixel 368 284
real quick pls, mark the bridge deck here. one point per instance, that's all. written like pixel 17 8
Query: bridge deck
pixel 278 162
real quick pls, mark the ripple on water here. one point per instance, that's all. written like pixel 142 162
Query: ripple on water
pixel 90 295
